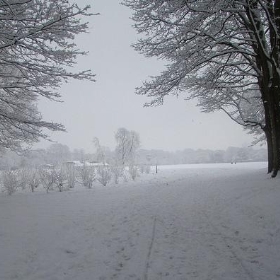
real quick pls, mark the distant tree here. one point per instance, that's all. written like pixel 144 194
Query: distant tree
pixel 47 178
pixel 117 171
pixel 10 181
pixel 37 50
pixel 79 154
pixel 133 171
pixel 58 153
pixel 34 158
pixel 88 175
pixel 23 175
pixel 231 154
pixel 218 51
pixel 100 153
pixel 70 174
pixel 60 178
pixel 217 156
pixel 9 160
pixel 246 110
pixel 33 179
pixel 203 156
pixel 128 142
pixel 148 169
pixel 104 175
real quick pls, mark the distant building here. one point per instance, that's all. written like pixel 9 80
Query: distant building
pixel 47 166
pixel 78 164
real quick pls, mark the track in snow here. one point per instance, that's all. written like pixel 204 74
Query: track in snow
pixel 181 224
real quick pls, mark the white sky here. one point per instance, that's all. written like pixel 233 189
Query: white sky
pixel 99 109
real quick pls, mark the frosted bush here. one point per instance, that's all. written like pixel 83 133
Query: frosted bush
pixel 142 168
pixel 70 176
pixel 10 182
pixel 148 169
pixel 125 175
pixel 133 171
pixel 27 178
pixel 104 175
pixel 33 179
pixel 117 172
pixel 23 178
pixel 48 179
pixel 60 179
pixel 87 176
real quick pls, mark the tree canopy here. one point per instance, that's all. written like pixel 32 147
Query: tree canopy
pixel 225 53
pixel 128 142
pixel 37 51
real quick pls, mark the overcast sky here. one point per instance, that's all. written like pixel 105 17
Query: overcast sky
pixel 98 109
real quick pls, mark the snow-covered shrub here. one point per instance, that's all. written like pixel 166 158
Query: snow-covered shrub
pixel 33 179
pixel 60 178
pixel 88 176
pixel 117 172
pixel 133 171
pixel 142 168
pixel 70 176
pixel 48 179
pixel 23 178
pixel 125 175
pixel 10 181
pixel 104 175
pixel 147 169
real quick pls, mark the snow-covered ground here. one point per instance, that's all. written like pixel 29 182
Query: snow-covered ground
pixel 215 222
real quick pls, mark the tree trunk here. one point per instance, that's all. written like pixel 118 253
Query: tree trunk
pixel 269 149
pixel 271 99
pixel 273 104
pixel 274 95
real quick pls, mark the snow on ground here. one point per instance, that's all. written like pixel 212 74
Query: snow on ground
pixel 191 222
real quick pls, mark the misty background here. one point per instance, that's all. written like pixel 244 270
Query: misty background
pixel 98 109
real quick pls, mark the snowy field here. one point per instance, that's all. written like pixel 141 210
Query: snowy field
pixel 212 222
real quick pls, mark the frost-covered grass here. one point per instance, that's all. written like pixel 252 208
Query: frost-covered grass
pixel 213 222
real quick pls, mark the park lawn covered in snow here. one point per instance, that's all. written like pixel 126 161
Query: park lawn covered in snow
pixel 218 221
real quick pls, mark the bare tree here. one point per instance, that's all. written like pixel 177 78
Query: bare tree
pixel 218 50
pixel 33 179
pixel 47 178
pixel 127 144
pixel 70 173
pixel 60 178
pixel 23 177
pixel 133 171
pixel 100 153
pixel 117 171
pixel 104 175
pixel 58 153
pixel 88 176
pixel 10 181
pixel 37 51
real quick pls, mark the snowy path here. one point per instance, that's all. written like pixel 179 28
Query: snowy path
pixel 220 222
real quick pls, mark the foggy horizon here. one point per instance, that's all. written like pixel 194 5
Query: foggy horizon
pixel 98 109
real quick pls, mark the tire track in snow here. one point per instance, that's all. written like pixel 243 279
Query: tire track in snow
pixel 230 248
pixel 150 250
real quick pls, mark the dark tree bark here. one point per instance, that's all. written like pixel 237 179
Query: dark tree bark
pixel 275 128
pixel 269 149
